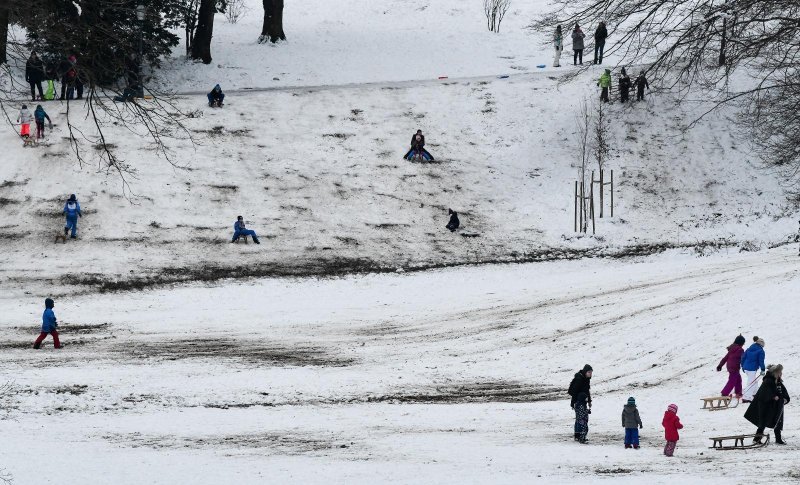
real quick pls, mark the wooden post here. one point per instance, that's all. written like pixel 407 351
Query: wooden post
pixel 591 201
pixel 575 201
pixel 601 193
pixel 582 209
pixel 612 193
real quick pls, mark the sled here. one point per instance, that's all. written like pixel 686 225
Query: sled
pixel 62 237
pixel 717 402
pixel 738 442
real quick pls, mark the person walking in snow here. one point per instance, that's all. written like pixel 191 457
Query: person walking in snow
pixel 733 362
pixel 49 325
pixel 40 115
pixel 216 97
pixel 752 361
pixel 239 230
pixel 577 45
pixel 671 424
pixel 418 148
pixel 582 412
pixel 558 43
pixel 625 85
pixel 604 82
pixel 24 119
pixel 766 410
pixel 630 421
pixel 72 209
pixel 600 36
pixel 641 83
pixel 581 382
pixel 34 75
pixel 454 223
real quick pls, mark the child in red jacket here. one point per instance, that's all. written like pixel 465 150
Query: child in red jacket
pixel 671 424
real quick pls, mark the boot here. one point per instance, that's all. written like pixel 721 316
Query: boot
pixel 635 447
pixel 255 240
pixel 757 439
pixel 577 436
pixel 37 346
pixel 627 446
pixel 66 231
pixel 778 440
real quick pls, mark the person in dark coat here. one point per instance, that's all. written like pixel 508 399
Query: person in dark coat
pixel 216 97
pixel 49 325
pixel 34 75
pixel 454 222
pixel 581 383
pixel 641 83
pixel 600 36
pixel 577 45
pixel 766 410
pixel 418 148
pixel 582 412
pixel 625 85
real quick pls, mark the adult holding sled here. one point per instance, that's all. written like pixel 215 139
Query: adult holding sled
pixel 34 75
pixel 766 410
pixel 239 230
pixel 40 115
pixel 604 82
pixel 752 362
pixel 216 97
pixel 577 45
pixel 732 362
pixel 49 325
pixel 418 148
pixel 72 210
pixel 600 36
pixel 454 223
pixel 558 43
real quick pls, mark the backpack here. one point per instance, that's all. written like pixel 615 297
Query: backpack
pixel 50 93
pixel 573 385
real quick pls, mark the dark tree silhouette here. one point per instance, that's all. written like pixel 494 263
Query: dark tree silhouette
pixel 272 28
pixel 201 44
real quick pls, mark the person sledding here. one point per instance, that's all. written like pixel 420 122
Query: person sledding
pixel 418 148
pixel 72 210
pixel 454 223
pixel 766 410
pixel 239 230
pixel 49 325
pixel 24 119
pixel 40 115
pixel 732 362
pixel 216 97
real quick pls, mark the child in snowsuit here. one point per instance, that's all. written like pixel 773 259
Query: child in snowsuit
pixel 24 119
pixel 630 421
pixel 733 361
pixel 604 83
pixel 40 115
pixel 418 147
pixel 216 97
pixel 752 361
pixel 582 412
pixel 671 424
pixel 72 209
pixel 624 87
pixel 641 83
pixel 240 230
pixel 49 325
pixel 454 222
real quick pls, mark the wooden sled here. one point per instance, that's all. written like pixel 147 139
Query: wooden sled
pixel 717 402
pixel 62 237
pixel 738 442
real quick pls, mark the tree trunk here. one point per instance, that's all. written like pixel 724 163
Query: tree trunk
pixel 3 34
pixel 273 21
pixel 723 43
pixel 201 44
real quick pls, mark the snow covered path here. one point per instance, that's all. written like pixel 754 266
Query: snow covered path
pixel 452 376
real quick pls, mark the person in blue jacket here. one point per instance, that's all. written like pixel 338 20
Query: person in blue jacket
pixel 216 97
pixel 752 361
pixel 49 325
pixel 239 230
pixel 72 209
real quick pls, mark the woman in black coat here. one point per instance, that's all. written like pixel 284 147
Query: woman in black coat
pixel 34 74
pixel 766 410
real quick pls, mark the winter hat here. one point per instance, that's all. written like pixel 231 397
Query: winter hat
pixel 72 198
pixel 772 369
pixel 632 401
pixel 760 342
pixel 586 368
pixel 449 211
pixel 49 303
pixel 739 340
pixel 24 106
pixel 673 408
pixel 218 88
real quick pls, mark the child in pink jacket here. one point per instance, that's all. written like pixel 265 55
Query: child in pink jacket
pixel 671 424
pixel 733 362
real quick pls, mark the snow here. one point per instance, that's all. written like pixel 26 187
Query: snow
pixel 188 356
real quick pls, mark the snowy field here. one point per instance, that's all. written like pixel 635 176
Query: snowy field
pixel 448 376
pixel 309 359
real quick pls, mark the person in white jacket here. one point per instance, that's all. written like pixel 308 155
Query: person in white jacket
pixel 24 119
pixel 558 43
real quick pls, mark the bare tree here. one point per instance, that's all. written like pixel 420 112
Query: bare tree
pixel 698 44
pixel 235 10
pixel 600 147
pixel 495 11
pixel 583 121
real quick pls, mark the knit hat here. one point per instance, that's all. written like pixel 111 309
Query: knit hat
pixel 760 342
pixel 739 340
pixel 631 400
pixel 586 368
pixel 772 369
pixel 673 408
pixel 72 197
pixel 49 303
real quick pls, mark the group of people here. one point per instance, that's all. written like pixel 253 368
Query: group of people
pixel 25 117
pixel 578 44
pixel 765 408
pixel 66 71
pixel 625 86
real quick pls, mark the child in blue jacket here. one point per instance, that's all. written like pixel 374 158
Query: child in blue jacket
pixel 72 209
pixel 239 230
pixel 49 325
pixel 752 361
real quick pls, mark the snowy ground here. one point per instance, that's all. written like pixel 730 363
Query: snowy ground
pixel 449 376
